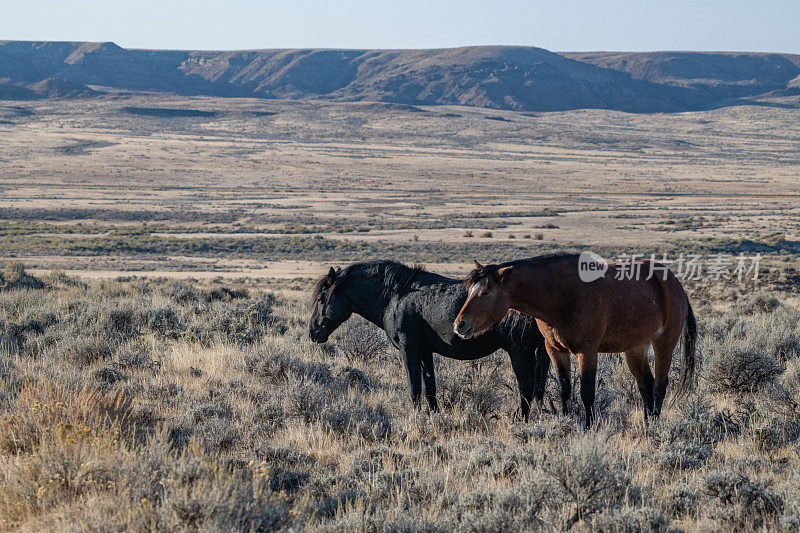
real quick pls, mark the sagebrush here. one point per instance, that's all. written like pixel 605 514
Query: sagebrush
pixel 156 404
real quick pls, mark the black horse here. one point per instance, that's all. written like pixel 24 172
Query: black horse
pixel 416 309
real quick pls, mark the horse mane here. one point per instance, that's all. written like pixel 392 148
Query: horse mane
pixel 319 286
pixel 394 275
pixel 489 270
pixel 397 277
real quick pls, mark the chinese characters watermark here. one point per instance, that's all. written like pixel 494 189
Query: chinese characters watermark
pixel 715 267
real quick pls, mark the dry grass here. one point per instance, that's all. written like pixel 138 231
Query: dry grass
pixel 140 405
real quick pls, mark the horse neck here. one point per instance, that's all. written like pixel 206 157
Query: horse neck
pixel 364 294
pixel 536 290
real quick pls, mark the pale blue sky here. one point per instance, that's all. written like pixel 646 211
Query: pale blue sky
pixel 559 25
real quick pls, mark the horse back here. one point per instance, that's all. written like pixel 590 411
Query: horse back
pixel 640 307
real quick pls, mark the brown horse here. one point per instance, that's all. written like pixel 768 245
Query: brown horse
pixel 627 308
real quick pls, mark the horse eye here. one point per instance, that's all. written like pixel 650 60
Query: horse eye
pixel 483 293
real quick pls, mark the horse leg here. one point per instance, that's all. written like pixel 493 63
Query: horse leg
pixel 542 371
pixel 429 377
pixel 414 371
pixel 640 368
pixel 587 364
pixel 663 346
pixel 563 361
pixel 524 366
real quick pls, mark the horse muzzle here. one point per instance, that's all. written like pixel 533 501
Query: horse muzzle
pixel 318 336
pixel 462 329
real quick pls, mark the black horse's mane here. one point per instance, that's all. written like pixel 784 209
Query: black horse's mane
pixel 395 276
pixel 490 270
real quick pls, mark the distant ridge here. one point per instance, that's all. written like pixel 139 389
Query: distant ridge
pixel 498 77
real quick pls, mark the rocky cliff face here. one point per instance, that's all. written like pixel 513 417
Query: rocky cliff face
pixel 728 75
pixel 518 78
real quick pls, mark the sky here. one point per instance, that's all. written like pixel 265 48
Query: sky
pixel 557 25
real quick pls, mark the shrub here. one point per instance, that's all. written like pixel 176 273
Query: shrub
pixel 244 322
pixel 138 353
pixel 351 376
pixel 73 450
pixel 181 293
pixel 84 351
pixel 306 401
pixel 40 407
pixel 476 389
pixel 164 321
pixel 681 456
pixel 681 499
pixel 11 337
pixel 202 494
pixel 505 509
pixel 216 433
pixel 589 475
pixel 697 424
pixel 776 333
pixel 765 303
pixel 741 369
pixel 769 435
pixel 70 461
pixel 275 365
pixel 354 418
pixel 108 375
pixel 740 502
pixel 360 342
pixel 631 520
pixel 15 277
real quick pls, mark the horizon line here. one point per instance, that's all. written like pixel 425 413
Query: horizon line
pixel 355 49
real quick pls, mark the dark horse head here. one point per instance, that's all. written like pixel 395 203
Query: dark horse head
pixel 364 288
pixel 487 301
pixel 328 309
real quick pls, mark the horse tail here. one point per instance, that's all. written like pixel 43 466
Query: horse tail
pixel 688 372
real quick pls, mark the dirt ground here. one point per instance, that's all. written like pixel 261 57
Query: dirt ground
pixel 77 172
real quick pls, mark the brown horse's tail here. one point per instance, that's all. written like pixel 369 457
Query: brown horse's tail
pixel 688 373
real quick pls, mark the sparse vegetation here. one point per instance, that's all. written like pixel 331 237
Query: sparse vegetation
pixel 155 404
pixel 366 178
pixel 150 404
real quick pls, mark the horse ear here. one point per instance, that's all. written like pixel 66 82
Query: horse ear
pixel 503 272
pixel 478 266
pixel 331 275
